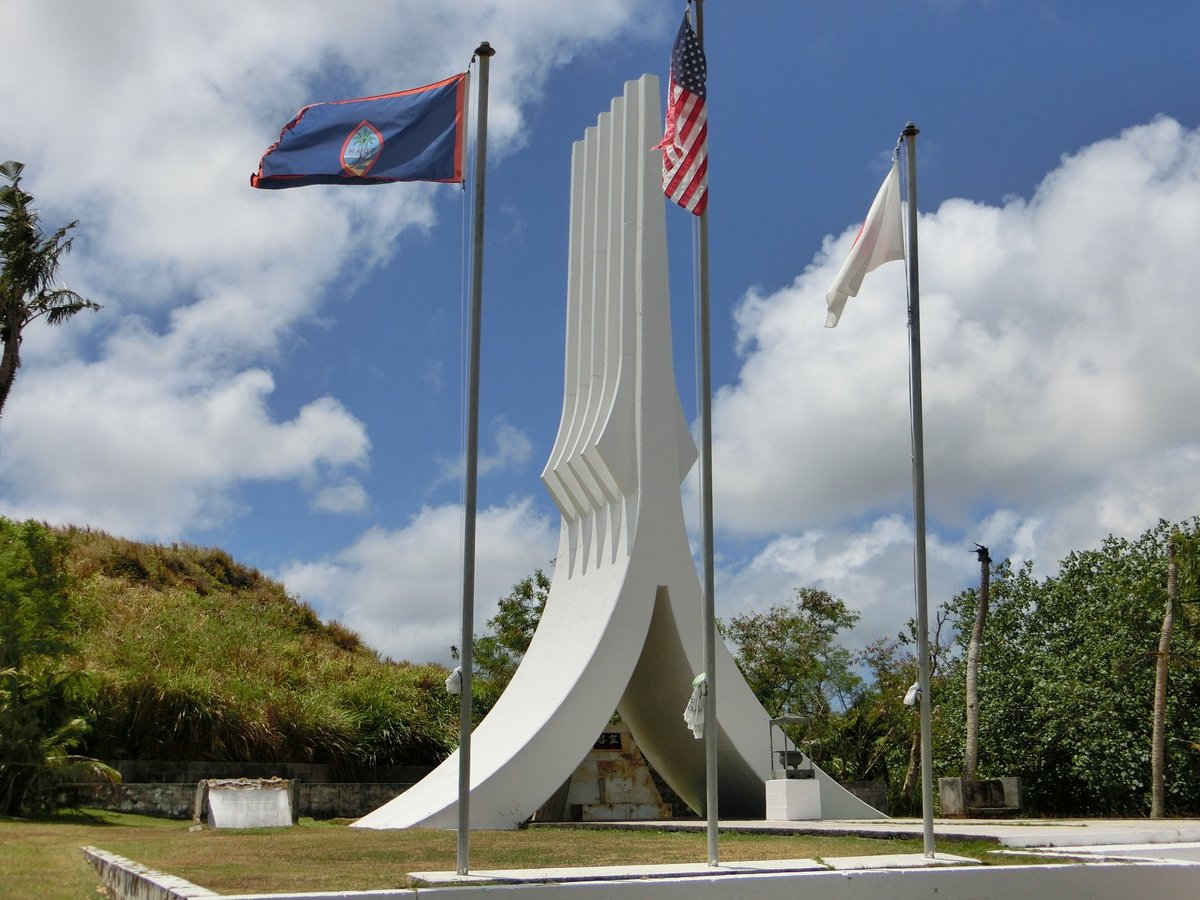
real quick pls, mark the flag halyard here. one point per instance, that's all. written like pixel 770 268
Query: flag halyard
pixel 413 135
pixel 879 240
pixel 685 137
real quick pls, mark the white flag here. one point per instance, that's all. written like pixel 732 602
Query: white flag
pixel 694 713
pixel 880 240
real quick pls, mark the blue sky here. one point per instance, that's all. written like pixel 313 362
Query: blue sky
pixel 280 373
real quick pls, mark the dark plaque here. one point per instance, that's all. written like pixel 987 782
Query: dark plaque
pixel 608 740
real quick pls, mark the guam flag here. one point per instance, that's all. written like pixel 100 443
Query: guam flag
pixel 413 135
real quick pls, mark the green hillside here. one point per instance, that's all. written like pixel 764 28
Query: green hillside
pixel 193 656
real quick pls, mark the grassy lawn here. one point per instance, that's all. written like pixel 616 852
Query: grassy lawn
pixel 42 858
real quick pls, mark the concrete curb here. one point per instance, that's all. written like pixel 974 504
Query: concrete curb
pixel 129 880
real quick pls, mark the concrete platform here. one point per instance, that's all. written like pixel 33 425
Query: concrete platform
pixel 1073 840
pixel 1006 832
pixel 558 875
pixel 1180 852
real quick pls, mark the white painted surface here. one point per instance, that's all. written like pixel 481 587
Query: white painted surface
pixel 248 805
pixel 622 624
pixel 1180 852
pixel 793 799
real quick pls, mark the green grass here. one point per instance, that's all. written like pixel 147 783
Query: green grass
pixel 43 859
pixel 150 620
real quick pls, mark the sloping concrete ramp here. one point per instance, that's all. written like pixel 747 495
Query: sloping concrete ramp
pixel 622 625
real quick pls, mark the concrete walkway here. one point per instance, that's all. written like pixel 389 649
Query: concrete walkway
pixel 567 874
pixel 1096 839
pixel 1006 832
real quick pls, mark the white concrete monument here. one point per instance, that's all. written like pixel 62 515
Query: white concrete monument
pixel 622 625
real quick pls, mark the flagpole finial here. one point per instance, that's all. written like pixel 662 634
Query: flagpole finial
pixel 485 49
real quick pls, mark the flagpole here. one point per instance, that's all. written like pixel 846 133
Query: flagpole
pixel 484 52
pixel 704 389
pixel 918 454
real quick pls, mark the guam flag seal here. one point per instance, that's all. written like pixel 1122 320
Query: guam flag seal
pixel 413 135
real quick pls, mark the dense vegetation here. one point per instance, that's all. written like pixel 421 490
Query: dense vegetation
pixel 1066 682
pixel 152 652
pixel 43 701
pixel 1067 678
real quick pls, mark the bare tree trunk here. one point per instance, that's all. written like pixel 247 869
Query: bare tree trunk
pixel 910 775
pixel 971 755
pixel 1158 734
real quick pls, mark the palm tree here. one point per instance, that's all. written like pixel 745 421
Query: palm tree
pixel 39 732
pixel 28 269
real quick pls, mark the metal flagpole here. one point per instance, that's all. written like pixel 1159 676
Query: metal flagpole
pixel 483 52
pixel 704 389
pixel 918 454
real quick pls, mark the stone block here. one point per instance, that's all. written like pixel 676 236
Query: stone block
pixel 793 799
pixel 249 803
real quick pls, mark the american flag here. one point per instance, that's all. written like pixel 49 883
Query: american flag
pixel 685 141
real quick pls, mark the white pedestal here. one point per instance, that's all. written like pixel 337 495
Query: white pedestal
pixel 249 803
pixel 790 799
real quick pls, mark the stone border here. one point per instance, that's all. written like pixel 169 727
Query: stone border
pixel 129 880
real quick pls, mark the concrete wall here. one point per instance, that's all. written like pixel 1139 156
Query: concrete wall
pixel 1098 881
pixel 872 792
pixel 160 770
pixel 177 801
pixel 168 801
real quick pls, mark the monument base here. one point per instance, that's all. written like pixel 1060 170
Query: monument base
pixel 792 799
pixel 247 802
pixel 979 798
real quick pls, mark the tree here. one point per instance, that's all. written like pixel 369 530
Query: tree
pixel 43 701
pixel 498 652
pixel 29 263
pixel 877 733
pixel 1069 679
pixel 790 657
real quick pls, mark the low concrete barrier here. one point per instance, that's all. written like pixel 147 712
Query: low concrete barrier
pixel 128 880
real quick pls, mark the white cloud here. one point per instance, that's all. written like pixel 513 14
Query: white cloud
pixel 347 496
pixel 1059 374
pixel 152 455
pixel 401 589
pixel 149 416
pixel 511 447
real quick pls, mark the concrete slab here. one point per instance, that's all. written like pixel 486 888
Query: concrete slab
pixel 562 874
pixel 691 870
pixel 1007 832
pixel 897 861
pixel 1178 852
